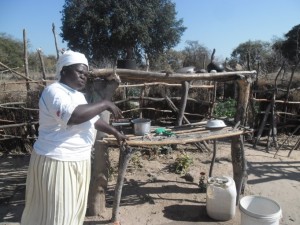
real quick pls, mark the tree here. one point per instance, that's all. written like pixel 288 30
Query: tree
pixel 11 51
pixel 112 29
pixel 196 55
pixel 171 60
pixel 12 55
pixel 290 47
pixel 34 62
pixel 251 53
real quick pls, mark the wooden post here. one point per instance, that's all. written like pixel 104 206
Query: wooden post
pixel 274 119
pixel 26 59
pixel 291 135
pixel 184 95
pixel 296 146
pixel 262 125
pixel 124 157
pixel 214 97
pixel 141 102
pixel 174 108
pixel 39 51
pixel 290 84
pixel 213 158
pixel 125 94
pixel 237 150
pixel 54 34
pixel 248 61
pixel 273 112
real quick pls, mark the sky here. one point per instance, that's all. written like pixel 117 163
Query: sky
pixel 216 24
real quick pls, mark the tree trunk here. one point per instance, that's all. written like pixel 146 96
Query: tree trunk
pixel 237 148
pixel 184 96
pixel 99 174
pixel 97 91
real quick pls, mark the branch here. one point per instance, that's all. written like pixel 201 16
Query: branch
pixel 144 76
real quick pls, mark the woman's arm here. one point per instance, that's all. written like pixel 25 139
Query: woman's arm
pixel 106 128
pixel 83 113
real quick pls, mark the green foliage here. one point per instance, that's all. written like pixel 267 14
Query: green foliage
pixel 255 55
pixel 290 47
pixel 195 54
pixel 171 60
pixel 108 29
pixel 12 55
pixel 136 160
pixel 134 91
pixel 50 63
pixel 267 57
pixel 183 163
pixel 11 51
pixel 112 172
pixel 226 108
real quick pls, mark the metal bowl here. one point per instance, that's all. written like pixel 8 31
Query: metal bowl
pixel 215 124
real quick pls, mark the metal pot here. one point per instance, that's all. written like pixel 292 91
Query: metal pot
pixel 215 66
pixel 141 126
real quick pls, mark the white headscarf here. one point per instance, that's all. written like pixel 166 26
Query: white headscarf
pixel 68 58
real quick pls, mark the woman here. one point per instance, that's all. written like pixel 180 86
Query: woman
pixel 59 171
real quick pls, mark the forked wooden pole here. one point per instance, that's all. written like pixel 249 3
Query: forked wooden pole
pixel 125 154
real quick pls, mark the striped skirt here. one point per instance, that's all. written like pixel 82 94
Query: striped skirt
pixel 56 191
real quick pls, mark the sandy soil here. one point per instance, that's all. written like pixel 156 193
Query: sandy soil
pixel 154 194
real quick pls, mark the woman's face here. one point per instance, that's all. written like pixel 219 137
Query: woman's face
pixel 75 76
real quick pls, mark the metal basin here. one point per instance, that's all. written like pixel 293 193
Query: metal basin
pixel 215 124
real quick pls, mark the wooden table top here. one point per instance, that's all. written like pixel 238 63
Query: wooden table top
pixel 185 134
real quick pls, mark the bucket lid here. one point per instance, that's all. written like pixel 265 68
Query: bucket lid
pixel 221 181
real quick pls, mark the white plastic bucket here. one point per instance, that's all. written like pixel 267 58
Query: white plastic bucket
pixel 221 198
pixel 259 210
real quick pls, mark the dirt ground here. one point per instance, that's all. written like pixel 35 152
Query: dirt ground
pixel 154 194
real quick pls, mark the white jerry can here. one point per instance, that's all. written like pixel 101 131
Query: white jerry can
pixel 221 198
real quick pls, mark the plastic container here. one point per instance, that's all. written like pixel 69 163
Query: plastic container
pixel 221 198
pixel 259 210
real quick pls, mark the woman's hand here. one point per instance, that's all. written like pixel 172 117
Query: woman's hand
pixel 121 138
pixel 106 128
pixel 117 113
